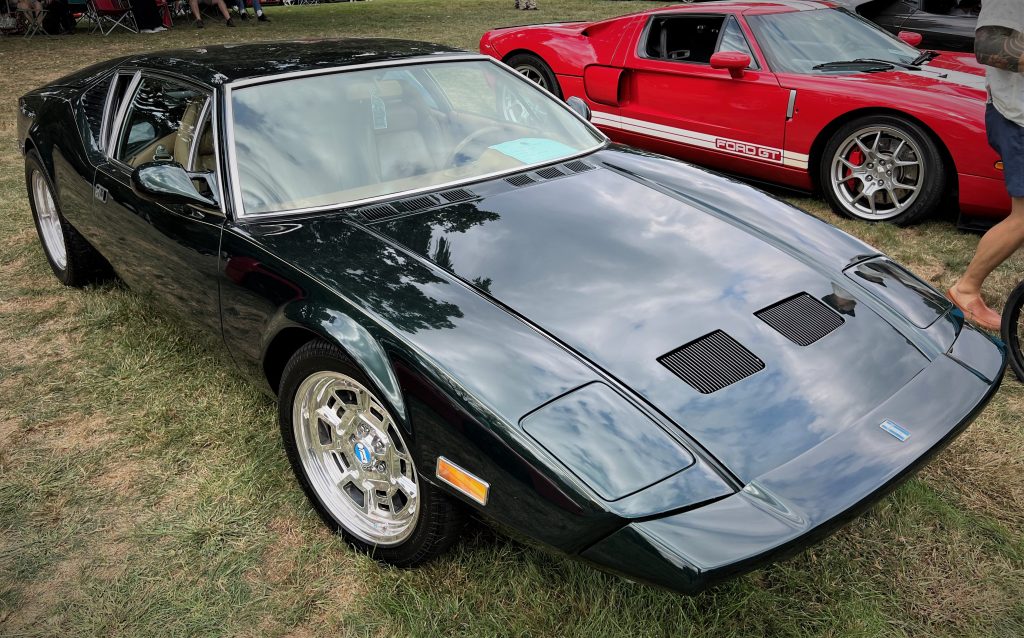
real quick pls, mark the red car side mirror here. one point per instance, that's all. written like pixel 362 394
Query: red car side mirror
pixel 910 37
pixel 735 61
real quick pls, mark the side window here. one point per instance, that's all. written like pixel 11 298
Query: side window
pixel 683 38
pixel 734 40
pixel 160 124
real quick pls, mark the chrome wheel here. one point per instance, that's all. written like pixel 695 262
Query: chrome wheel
pixel 50 229
pixel 877 172
pixel 355 458
pixel 532 74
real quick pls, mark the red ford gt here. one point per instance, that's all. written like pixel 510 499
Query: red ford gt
pixel 800 93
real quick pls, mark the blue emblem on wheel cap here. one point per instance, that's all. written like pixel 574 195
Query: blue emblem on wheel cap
pixel 897 431
pixel 362 453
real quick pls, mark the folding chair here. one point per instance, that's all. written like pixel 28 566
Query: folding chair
pixel 164 9
pixel 114 13
pixel 33 22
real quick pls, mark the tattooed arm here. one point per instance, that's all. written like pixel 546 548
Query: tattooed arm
pixel 1000 47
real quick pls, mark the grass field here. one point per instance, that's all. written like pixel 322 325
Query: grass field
pixel 143 490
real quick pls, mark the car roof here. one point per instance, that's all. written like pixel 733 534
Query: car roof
pixel 226 63
pixel 748 7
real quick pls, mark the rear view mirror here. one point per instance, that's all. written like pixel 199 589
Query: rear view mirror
pixel 734 61
pixel 912 38
pixel 577 104
pixel 169 183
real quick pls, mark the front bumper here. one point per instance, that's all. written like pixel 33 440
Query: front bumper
pixel 797 504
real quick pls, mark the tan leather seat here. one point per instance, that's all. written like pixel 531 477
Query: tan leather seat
pixel 187 131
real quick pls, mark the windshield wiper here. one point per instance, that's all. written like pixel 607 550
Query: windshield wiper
pixel 926 56
pixel 865 64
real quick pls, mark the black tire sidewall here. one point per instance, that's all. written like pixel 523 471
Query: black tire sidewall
pixel 34 164
pixel 1011 316
pixel 932 189
pixel 319 356
pixel 523 59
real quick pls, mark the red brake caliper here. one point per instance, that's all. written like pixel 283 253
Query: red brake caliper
pixel 856 158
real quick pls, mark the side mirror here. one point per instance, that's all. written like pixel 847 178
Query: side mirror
pixel 734 61
pixel 911 37
pixel 577 104
pixel 169 183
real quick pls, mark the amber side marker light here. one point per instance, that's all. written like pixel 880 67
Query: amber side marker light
pixel 999 166
pixel 462 480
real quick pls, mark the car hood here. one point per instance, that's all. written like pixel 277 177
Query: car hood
pixel 951 74
pixel 623 267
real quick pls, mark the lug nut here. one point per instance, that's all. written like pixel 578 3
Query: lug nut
pixel 381 466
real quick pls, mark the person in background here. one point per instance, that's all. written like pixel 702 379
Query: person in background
pixel 219 4
pixel 999 45
pixel 147 16
pixel 240 6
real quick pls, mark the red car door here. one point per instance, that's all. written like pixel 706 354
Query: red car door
pixel 673 102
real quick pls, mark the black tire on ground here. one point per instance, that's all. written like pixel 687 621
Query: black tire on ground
pixel 440 518
pixel 535 69
pixel 932 184
pixel 1013 330
pixel 84 265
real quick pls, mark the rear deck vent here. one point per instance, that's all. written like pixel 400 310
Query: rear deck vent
pixel 801 319
pixel 550 172
pixel 579 166
pixel 378 212
pixel 520 180
pixel 414 204
pixel 458 195
pixel 712 362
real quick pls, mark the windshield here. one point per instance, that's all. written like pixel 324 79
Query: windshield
pixel 350 136
pixel 797 41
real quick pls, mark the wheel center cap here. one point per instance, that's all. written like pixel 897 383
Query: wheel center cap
pixel 363 453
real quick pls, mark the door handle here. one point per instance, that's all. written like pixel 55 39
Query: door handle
pixel 100 193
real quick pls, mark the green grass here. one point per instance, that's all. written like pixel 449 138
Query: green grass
pixel 143 490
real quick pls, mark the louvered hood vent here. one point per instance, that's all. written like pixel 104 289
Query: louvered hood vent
pixel 712 362
pixel 549 173
pixel 801 319
pixel 380 212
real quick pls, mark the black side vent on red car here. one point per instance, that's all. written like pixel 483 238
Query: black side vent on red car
pixel 579 166
pixel 801 319
pixel 378 212
pixel 712 362
pixel 458 195
pixel 550 172
pixel 520 180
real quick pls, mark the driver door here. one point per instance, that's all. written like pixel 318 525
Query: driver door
pixel 167 252
pixel 677 104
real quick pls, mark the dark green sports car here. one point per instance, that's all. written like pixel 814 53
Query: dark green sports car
pixel 466 300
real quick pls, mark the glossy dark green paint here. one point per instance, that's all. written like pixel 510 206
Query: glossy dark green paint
pixel 469 317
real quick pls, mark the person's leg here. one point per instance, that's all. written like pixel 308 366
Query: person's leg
pixel 223 11
pixel 1003 239
pixel 258 8
pixel 194 5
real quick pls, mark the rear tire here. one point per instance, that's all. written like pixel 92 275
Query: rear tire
pixel 882 168
pixel 535 70
pixel 1013 329
pixel 74 262
pixel 352 461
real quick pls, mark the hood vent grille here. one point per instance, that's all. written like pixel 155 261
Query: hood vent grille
pixel 520 180
pixel 380 212
pixel 712 362
pixel 550 172
pixel 416 204
pixel 458 195
pixel 801 319
pixel 579 166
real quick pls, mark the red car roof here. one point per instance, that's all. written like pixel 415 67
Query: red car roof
pixel 748 7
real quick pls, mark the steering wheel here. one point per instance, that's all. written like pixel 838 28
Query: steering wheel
pixel 466 141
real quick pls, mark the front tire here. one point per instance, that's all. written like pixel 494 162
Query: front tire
pixel 1013 329
pixel 536 70
pixel 882 168
pixel 74 262
pixel 352 460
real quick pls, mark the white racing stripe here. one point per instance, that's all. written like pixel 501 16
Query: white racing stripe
pixel 739 148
